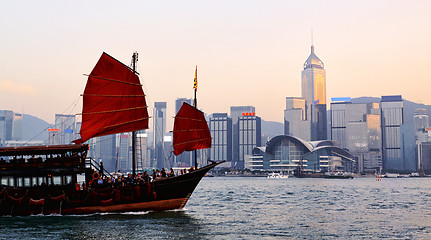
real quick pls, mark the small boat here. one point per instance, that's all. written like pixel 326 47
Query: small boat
pixel 338 175
pixel 44 179
pixel 277 175
pixel 392 175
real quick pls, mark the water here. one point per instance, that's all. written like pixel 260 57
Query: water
pixel 259 208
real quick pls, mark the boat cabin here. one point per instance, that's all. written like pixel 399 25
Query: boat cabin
pixel 33 166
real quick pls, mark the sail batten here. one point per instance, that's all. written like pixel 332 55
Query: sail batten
pixel 113 101
pixel 191 130
pixel 112 95
pixel 114 111
pixel 114 80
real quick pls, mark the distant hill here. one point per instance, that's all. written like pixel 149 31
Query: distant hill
pixel 272 129
pixel 34 128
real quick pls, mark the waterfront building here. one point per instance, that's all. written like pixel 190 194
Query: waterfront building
pixel 124 159
pixel 17 126
pixel 421 119
pixel 159 128
pixel 185 158
pixel 391 111
pixel 220 126
pixel 66 128
pixel 53 136
pixel 423 140
pixel 314 93
pixel 249 129
pixel 295 121
pixel 168 152
pixel 142 155
pixel 105 149
pixel 356 127
pixel 235 113
pixel 285 153
pixel 6 126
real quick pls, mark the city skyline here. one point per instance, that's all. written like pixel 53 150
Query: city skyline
pixel 251 51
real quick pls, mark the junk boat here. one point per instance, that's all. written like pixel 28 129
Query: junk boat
pixel 44 179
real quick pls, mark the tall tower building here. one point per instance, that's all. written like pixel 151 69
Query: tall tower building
pixel 105 150
pixel 6 125
pixel 314 93
pixel 124 161
pixel 250 135
pixel 17 126
pixel 235 113
pixel 159 121
pixel 356 127
pixel 220 126
pixel 423 139
pixel 295 122
pixel 391 108
pixel 66 128
pixel 421 119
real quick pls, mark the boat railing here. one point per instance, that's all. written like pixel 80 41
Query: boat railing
pixel 93 164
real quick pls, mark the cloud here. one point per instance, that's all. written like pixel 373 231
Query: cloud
pixel 7 86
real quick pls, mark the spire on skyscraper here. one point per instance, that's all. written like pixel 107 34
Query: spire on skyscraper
pixel 313 61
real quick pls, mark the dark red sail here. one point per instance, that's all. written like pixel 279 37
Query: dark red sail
pixel 114 101
pixel 190 130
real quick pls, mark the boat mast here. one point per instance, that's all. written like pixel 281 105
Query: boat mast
pixel 195 104
pixel 134 60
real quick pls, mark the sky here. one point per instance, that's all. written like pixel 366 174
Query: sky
pixel 248 52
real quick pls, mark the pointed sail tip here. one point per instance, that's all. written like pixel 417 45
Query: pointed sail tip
pixel 78 141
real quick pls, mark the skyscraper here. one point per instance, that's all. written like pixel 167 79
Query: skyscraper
pixel 6 125
pixel 220 126
pixel 314 93
pixel 159 121
pixel 124 161
pixel 249 129
pixel 105 150
pixel 356 127
pixel 295 121
pixel 17 126
pixel 423 140
pixel 66 128
pixel 235 113
pixel 391 108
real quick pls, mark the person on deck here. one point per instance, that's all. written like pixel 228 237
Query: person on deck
pixel 171 173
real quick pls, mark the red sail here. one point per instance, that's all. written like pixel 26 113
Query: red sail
pixel 190 130
pixel 114 101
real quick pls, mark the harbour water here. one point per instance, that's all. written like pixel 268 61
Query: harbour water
pixel 259 208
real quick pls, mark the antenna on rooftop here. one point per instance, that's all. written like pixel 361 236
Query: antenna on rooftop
pixel 312 43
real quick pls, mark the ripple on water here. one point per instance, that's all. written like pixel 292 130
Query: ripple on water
pixel 254 208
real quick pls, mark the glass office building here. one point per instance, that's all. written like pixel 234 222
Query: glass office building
pixel 391 108
pixel 314 93
pixel 159 128
pixel 249 132
pixel 220 126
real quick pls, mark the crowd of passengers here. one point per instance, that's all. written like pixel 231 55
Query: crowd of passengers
pixel 119 179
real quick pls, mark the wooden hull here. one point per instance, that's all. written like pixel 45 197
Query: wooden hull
pixel 166 194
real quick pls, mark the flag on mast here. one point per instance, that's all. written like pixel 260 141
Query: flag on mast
pixel 195 85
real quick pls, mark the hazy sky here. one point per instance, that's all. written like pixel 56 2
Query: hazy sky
pixel 247 52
